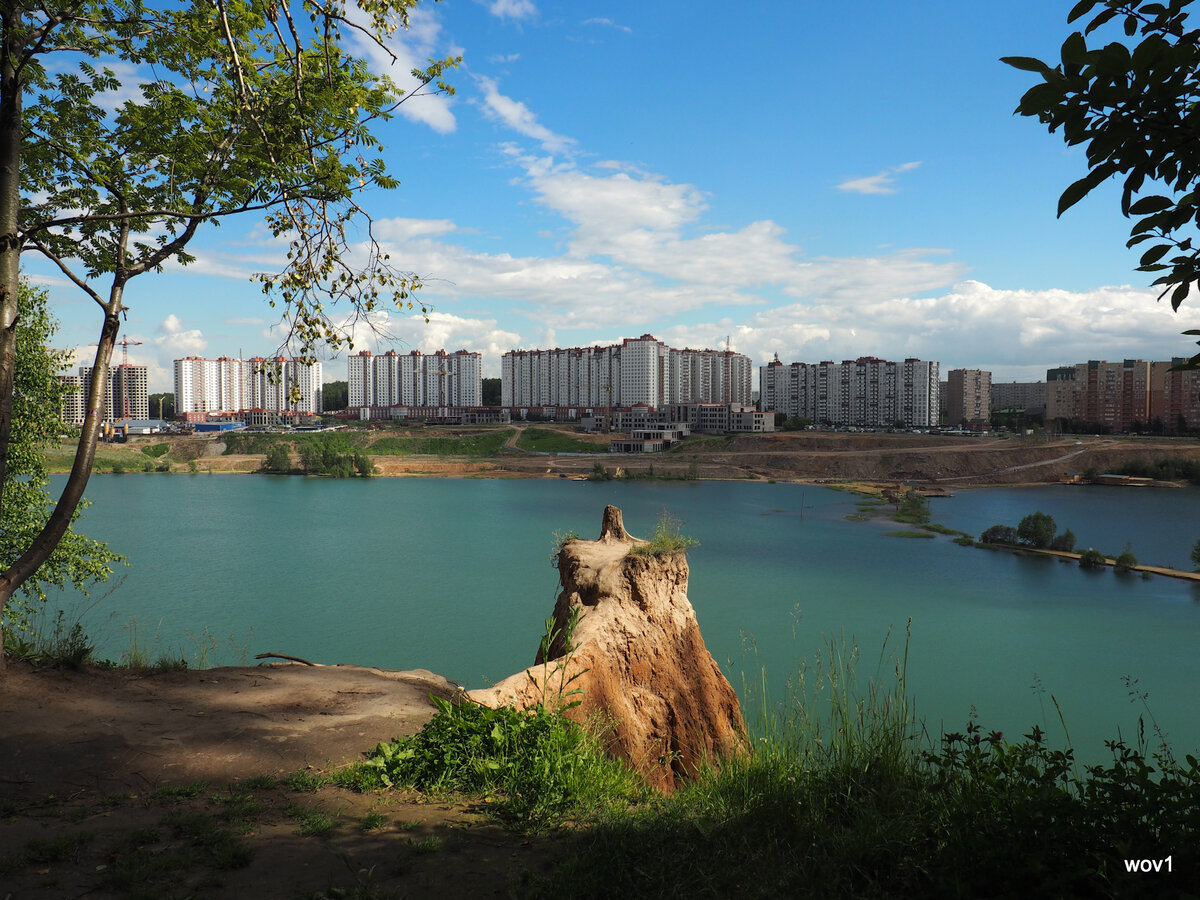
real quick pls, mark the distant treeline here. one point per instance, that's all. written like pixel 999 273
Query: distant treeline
pixel 1164 469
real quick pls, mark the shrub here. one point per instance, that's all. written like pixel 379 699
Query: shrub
pixel 278 459
pixel 1126 562
pixel 543 764
pixel 599 473
pixel 1092 559
pixel 914 508
pixel 1000 534
pixel 1064 542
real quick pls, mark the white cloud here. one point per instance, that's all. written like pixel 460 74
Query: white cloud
pixel 1016 334
pixel 174 341
pixel 407 50
pixel 502 58
pixel 400 229
pixel 518 117
pixel 608 23
pixel 512 9
pixel 389 331
pixel 880 183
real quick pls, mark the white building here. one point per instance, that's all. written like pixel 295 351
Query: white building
pixel 225 385
pixel 638 370
pixel 865 392
pixel 415 379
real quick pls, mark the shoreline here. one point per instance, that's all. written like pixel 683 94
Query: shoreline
pixel 872 462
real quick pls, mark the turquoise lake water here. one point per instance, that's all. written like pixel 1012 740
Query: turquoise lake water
pixel 453 575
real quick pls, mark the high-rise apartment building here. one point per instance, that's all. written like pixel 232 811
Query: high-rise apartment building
pixel 126 394
pixel 638 370
pixel 865 392
pixel 1027 395
pixel 1101 394
pixel 415 379
pixel 1174 396
pixel 968 395
pixel 225 385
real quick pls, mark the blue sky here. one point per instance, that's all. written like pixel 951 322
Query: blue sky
pixel 817 181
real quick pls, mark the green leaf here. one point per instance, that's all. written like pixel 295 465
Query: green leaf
pixel 1027 64
pixel 1082 187
pixel 1082 8
pixel 1154 254
pixel 1074 50
pixel 1100 19
pixel 1151 204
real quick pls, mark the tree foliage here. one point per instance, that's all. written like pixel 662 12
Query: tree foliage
pixel 37 400
pixel 279 459
pixel 1036 530
pixel 491 391
pixel 335 396
pixel 1000 534
pixel 1132 103
pixel 914 508
pixel 1064 542
pixel 162 406
pixel 237 106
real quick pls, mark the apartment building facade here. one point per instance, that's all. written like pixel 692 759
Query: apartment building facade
pixel 415 379
pixel 968 396
pixel 1097 393
pixel 1027 395
pixel 126 395
pixel 866 392
pixel 1174 396
pixel 206 387
pixel 640 370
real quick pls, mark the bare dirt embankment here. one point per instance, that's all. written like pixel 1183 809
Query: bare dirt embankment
pixel 825 457
pixel 174 784
pixel 805 456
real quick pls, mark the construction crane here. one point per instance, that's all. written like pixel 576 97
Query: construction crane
pixel 125 345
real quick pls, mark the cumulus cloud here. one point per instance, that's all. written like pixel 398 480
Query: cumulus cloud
pixel 1016 334
pixel 517 116
pixel 404 51
pixel 173 341
pixel 880 183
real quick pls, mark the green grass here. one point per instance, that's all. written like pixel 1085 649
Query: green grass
pixel 310 822
pixel 944 529
pixel 549 440
pixel 844 794
pixel 59 458
pixel 481 444
pixel 154 451
pixel 668 538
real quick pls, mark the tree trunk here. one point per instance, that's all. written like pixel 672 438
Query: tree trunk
pixel 10 212
pixel 60 519
pixel 10 247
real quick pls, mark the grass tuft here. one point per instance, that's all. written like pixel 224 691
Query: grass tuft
pixel 668 538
